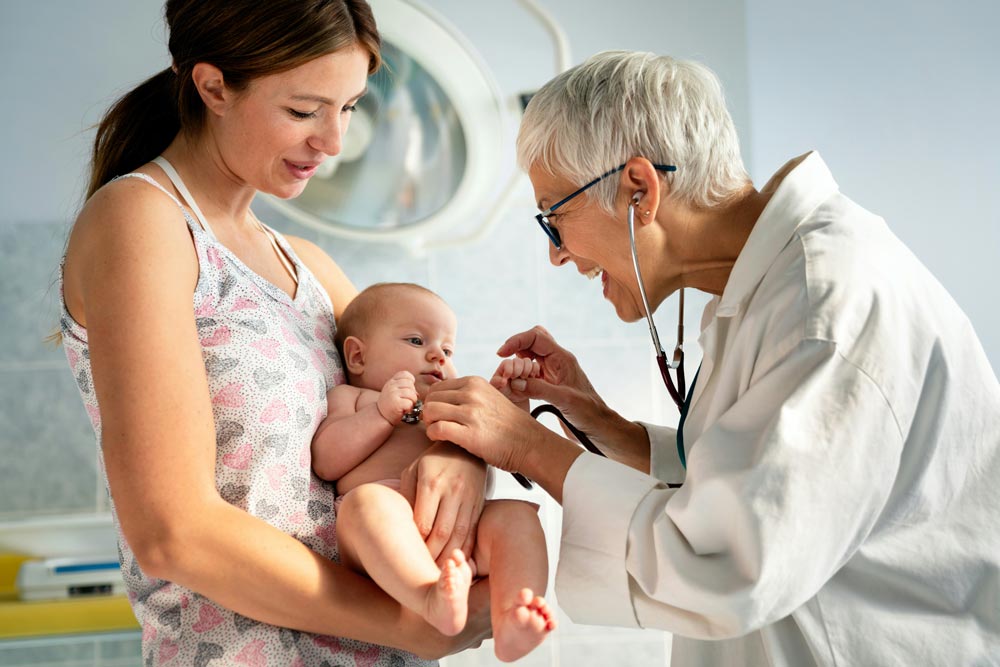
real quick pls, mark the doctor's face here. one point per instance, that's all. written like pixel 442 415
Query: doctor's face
pixel 594 241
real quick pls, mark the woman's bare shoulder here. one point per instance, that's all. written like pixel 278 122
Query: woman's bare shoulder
pixel 126 228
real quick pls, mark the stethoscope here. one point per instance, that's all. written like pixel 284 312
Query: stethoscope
pixel 679 391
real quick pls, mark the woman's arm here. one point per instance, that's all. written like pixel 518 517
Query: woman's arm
pixel 136 282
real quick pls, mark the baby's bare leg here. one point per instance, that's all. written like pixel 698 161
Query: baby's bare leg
pixel 510 547
pixel 376 535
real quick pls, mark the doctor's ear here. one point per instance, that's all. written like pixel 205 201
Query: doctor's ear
pixel 642 186
pixel 354 355
pixel 637 203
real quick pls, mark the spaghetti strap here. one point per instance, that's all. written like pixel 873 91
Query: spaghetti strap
pixel 175 178
pixel 152 181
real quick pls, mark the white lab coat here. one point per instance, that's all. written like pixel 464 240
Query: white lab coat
pixel 841 504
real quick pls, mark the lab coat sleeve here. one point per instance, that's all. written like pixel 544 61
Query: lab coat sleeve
pixel 599 498
pixel 664 462
pixel 780 491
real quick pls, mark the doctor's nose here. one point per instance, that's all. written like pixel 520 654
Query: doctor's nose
pixel 559 256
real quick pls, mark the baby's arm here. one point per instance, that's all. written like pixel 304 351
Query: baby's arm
pixel 359 421
pixel 509 378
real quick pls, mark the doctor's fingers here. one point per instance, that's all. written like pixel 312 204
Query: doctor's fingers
pixel 491 429
pixel 537 342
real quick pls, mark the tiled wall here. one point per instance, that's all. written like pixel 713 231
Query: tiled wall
pixel 498 286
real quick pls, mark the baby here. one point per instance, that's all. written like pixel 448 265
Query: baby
pixel 397 340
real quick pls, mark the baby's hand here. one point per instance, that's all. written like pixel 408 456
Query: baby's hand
pixel 397 397
pixel 510 377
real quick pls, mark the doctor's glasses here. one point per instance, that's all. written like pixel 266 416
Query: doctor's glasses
pixel 543 217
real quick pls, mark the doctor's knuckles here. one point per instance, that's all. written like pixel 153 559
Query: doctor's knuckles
pixel 474 415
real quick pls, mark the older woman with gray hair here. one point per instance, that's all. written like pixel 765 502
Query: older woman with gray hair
pixel 829 495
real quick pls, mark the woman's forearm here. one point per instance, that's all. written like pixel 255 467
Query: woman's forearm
pixel 624 441
pixel 272 577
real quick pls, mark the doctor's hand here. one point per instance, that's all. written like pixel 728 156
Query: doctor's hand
pixel 564 384
pixel 473 414
pixel 561 382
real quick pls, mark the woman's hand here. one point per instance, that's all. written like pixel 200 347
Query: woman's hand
pixel 477 626
pixel 447 486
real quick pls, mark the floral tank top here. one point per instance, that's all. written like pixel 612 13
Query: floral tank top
pixel 270 360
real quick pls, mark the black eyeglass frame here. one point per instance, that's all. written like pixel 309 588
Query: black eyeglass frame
pixel 552 232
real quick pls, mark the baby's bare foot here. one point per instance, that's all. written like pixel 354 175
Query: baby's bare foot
pixel 448 600
pixel 522 627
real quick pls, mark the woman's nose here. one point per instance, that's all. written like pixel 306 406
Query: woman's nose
pixel 330 139
pixel 558 256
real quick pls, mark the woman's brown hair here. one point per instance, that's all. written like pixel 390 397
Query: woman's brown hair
pixel 245 39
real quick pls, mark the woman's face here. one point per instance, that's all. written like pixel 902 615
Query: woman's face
pixel 597 243
pixel 279 130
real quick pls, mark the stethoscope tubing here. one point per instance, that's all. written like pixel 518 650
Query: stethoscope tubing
pixel 677 392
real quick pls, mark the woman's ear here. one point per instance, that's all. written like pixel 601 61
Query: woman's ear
pixel 354 355
pixel 640 181
pixel 211 86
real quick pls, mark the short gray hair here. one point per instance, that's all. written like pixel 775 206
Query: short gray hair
pixel 620 104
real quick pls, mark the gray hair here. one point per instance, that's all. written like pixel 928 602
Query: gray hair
pixel 620 104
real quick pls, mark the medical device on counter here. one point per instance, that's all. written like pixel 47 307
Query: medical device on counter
pixel 62 578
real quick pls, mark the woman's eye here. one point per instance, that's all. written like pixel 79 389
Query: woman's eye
pixel 349 108
pixel 302 115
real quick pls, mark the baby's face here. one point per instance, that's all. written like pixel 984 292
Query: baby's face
pixel 417 336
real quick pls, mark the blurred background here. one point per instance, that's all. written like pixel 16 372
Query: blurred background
pixel 899 97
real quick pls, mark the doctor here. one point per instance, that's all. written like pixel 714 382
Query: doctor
pixel 842 437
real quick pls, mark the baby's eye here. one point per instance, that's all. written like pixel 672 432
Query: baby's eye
pixel 448 353
pixel 415 340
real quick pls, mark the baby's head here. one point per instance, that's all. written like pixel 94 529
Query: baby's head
pixel 392 327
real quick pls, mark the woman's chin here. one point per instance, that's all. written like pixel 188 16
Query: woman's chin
pixel 627 312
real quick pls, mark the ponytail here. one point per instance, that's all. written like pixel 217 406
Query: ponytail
pixel 139 126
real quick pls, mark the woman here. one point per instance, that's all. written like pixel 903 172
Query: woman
pixel 841 440
pixel 205 413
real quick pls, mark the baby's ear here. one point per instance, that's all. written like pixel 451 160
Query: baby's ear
pixel 354 355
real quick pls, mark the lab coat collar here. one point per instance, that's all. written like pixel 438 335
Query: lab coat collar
pixel 806 184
